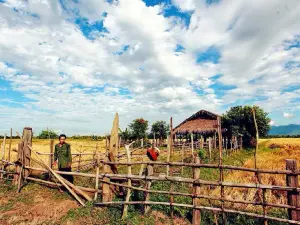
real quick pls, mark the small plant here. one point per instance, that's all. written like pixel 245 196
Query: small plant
pixel 202 154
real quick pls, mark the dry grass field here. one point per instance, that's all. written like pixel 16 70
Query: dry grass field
pixel 43 146
pixel 271 155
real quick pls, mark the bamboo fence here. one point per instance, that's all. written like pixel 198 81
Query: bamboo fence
pixel 107 181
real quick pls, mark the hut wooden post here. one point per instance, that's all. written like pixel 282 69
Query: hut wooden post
pixel 10 143
pixel 215 140
pixel 241 142
pixel 182 159
pixel 202 142
pixel 209 147
pixel 148 186
pixel 125 209
pixel 293 197
pixel 192 142
pixel 196 191
pixel 51 154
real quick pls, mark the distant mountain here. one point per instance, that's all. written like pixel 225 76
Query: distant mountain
pixel 291 129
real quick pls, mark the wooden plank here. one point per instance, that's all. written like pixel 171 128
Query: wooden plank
pixel 58 177
pixel 293 198
pixel 196 220
pixel 114 139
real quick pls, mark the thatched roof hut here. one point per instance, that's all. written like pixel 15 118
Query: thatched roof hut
pixel 202 122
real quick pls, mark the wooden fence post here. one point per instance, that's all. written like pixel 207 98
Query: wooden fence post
pixel 27 140
pixel 293 198
pixel 3 147
pixel 125 209
pixel 209 147
pixel 51 157
pixel 196 191
pixel 3 155
pixel 10 143
pixel 18 166
pixel 148 186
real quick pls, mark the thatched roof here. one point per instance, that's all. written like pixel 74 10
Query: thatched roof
pixel 201 122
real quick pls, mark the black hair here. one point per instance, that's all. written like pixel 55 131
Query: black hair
pixel 62 135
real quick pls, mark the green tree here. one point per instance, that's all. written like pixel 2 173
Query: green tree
pixel 160 129
pixel 239 121
pixel 125 135
pixel 138 128
pixel 45 134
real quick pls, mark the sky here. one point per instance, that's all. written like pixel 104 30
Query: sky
pixel 70 65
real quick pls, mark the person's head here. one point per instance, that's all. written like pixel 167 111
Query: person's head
pixel 62 138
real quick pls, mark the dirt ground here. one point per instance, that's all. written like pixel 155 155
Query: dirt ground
pixel 34 205
pixel 37 204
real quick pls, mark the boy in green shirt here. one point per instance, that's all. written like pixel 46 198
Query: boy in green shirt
pixel 63 157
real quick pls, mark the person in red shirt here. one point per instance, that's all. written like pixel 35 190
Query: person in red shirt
pixel 153 153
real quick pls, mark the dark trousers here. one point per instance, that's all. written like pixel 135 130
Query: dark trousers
pixel 69 178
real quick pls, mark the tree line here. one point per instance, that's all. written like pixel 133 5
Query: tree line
pixel 237 121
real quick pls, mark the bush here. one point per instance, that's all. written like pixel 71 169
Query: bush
pixel 45 134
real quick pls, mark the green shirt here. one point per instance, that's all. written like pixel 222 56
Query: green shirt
pixel 63 155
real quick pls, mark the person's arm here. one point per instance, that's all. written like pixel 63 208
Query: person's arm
pixel 69 156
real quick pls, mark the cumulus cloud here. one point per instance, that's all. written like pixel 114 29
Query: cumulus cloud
pixel 272 123
pixel 82 61
pixel 288 115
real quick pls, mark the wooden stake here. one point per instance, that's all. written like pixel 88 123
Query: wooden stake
pixel 256 129
pixel 221 169
pixel 129 183
pixel 10 143
pixel 293 198
pixel 171 135
pixel 51 157
pixel 196 191
pixel 148 186
pixel 3 147
pixel 27 139
pixel 97 174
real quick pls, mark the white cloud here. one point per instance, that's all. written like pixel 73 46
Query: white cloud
pixel 288 115
pixel 272 123
pixel 65 76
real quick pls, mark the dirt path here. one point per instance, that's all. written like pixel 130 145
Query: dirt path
pixel 34 205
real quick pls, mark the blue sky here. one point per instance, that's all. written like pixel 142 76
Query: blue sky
pixel 71 67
